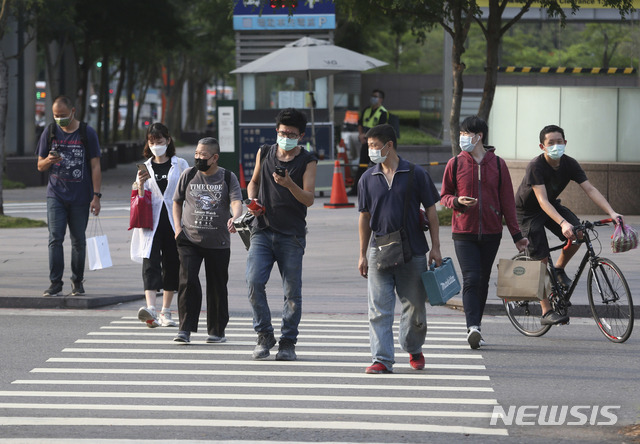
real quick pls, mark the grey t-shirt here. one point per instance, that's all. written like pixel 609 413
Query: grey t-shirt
pixel 206 207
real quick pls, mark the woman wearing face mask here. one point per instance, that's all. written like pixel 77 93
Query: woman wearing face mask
pixel 477 186
pixel 156 248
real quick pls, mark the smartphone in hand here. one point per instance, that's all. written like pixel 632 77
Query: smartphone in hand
pixel 142 167
pixel 54 153
pixel 280 171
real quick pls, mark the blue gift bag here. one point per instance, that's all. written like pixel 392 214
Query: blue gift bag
pixel 441 283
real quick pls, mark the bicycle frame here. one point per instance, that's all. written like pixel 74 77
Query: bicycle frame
pixel 589 256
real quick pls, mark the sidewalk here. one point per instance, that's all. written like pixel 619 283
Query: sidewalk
pixel 331 280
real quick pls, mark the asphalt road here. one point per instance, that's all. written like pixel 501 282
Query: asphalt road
pixel 102 374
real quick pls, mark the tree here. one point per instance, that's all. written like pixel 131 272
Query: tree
pixel 21 10
pixel 455 17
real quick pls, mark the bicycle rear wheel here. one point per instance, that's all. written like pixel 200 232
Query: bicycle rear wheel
pixel 525 315
pixel 610 300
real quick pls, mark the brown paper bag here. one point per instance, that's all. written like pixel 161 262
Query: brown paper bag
pixel 522 280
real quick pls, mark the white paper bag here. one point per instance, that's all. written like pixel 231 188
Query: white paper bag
pixel 98 252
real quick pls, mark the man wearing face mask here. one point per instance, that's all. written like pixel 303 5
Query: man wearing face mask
pixel 538 206
pixel 381 199
pixel 203 221
pixel 283 181
pixel 477 186
pixel 70 151
pixel 374 114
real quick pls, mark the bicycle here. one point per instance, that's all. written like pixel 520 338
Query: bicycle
pixel 609 296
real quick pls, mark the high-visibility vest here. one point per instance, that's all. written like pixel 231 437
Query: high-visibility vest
pixel 371 119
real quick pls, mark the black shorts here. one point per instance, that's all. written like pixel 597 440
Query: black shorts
pixel 533 226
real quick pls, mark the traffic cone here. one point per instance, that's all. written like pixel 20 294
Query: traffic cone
pixel 342 154
pixel 338 191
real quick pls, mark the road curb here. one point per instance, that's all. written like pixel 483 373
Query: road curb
pixel 77 302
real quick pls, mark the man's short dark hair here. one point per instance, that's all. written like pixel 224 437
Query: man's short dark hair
pixel 292 117
pixel 379 91
pixel 475 125
pixel 156 131
pixel 550 129
pixel 66 101
pixel 211 143
pixel 384 133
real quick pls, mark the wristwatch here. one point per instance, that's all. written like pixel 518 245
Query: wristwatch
pixel 98 194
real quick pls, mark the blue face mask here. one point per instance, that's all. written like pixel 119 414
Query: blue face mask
pixel 466 143
pixel 287 144
pixel 555 152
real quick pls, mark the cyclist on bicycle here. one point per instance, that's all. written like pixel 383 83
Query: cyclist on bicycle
pixel 538 206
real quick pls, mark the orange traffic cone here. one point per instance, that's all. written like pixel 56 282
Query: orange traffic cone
pixel 338 191
pixel 342 155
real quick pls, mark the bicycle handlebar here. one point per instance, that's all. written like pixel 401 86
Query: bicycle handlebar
pixel 585 224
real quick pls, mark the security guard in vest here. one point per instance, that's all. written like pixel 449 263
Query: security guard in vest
pixel 373 115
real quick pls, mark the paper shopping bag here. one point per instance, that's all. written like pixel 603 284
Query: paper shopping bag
pixel 441 283
pixel 522 280
pixel 98 252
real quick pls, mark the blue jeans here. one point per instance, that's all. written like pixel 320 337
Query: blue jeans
pixel 406 281
pixel 59 214
pixel 476 260
pixel 268 247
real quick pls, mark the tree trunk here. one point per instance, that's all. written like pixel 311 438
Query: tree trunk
pixel 115 120
pixel 493 38
pixel 459 36
pixel 4 105
pixel 456 100
pixel 128 124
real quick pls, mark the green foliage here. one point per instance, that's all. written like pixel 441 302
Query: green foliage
pixel 408 118
pixel 8 184
pixel 20 222
pixel 387 37
pixel 444 216
pixel 413 136
pixel 583 45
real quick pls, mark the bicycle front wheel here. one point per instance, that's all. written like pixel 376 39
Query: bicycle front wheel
pixel 610 300
pixel 525 315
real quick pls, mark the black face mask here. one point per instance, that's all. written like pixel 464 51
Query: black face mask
pixel 201 164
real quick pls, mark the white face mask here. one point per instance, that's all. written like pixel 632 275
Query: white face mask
pixel 466 143
pixel 376 155
pixel 158 150
pixel 555 152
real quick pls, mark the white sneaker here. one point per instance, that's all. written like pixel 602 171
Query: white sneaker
pixel 148 316
pixel 166 320
pixel 474 338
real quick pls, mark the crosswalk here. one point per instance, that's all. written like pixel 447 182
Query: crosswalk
pixel 124 378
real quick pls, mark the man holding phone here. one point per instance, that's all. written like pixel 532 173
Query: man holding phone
pixel 73 161
pixel 283 181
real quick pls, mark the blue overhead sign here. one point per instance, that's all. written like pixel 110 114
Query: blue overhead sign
pixel 260 15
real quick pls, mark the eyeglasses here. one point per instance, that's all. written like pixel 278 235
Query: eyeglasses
pixel 288 135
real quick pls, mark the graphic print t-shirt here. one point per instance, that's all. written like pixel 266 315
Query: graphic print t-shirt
pixel 161 173
pixel 70 179
pixel 206 207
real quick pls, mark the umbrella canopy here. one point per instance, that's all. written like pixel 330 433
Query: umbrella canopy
pixel 310 58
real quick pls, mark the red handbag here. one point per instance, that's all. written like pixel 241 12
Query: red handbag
pixel 141 215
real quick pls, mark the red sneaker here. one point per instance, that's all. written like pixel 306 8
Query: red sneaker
pixel 417 361
pixel 377 367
